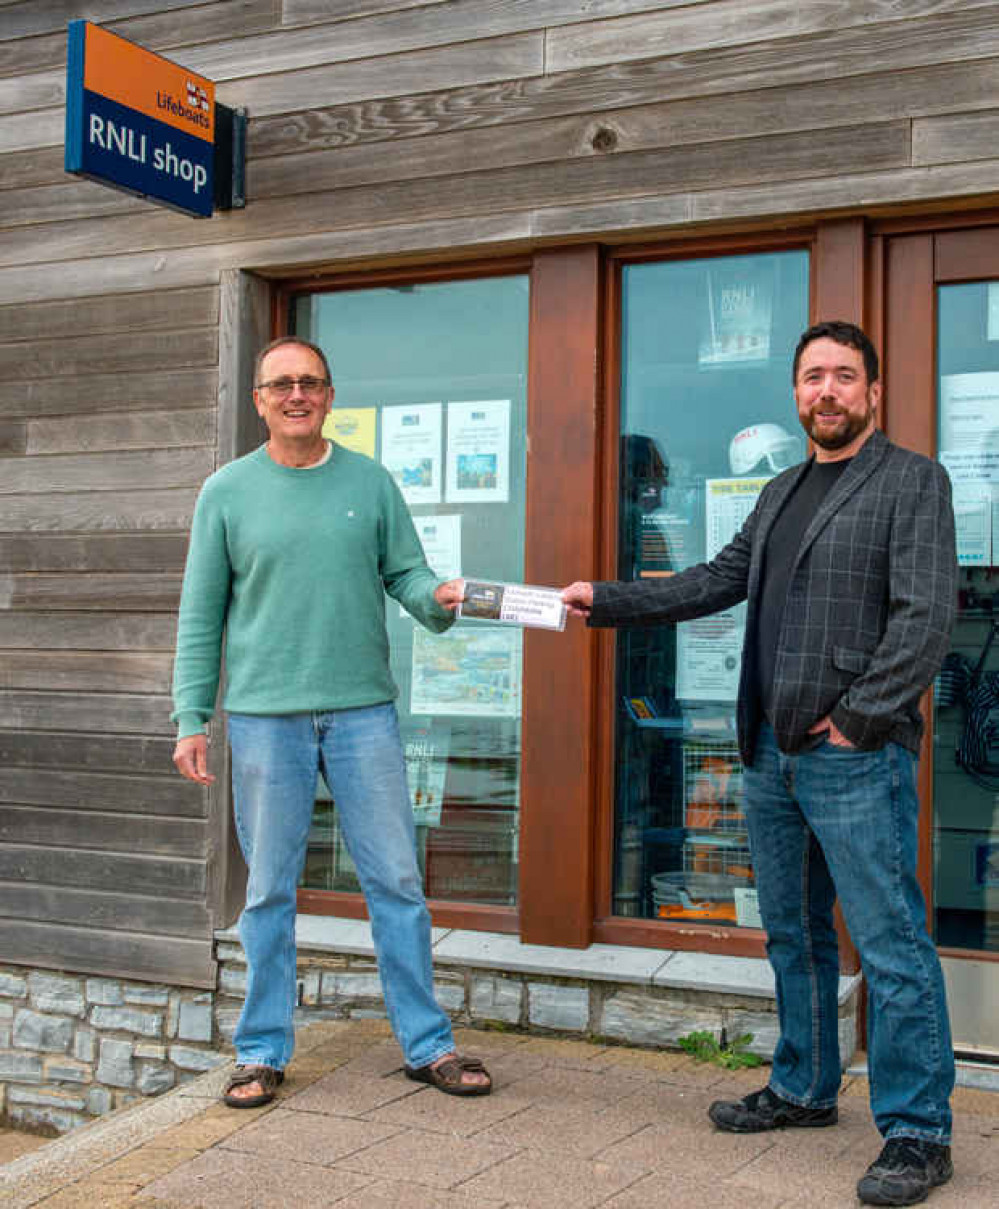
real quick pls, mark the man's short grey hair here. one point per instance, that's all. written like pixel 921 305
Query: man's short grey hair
pixel 280 342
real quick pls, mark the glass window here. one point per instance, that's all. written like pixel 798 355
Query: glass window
pixel 431 381
pixel 706 418
pixel 966 700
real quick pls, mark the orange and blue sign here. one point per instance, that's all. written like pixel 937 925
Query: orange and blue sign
pixel 138 122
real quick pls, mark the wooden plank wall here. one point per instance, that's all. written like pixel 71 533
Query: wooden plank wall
pixel 380 130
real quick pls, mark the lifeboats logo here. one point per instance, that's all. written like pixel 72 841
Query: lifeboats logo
pixel 197 97
pixel 196 109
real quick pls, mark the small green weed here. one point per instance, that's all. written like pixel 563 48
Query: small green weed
pixel 733 1055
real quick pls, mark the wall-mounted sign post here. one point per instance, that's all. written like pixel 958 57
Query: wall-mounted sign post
pixel 140 123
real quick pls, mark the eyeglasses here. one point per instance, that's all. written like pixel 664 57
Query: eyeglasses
pixel 281 388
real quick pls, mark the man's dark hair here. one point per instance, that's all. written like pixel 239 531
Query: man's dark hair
pixel 280 342
pixel 841 332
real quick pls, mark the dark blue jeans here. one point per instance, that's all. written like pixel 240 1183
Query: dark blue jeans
pixel 831 821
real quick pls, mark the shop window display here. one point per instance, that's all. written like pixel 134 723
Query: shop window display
pixel 707 417
pixel 431 381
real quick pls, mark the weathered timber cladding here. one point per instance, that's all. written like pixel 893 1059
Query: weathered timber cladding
pixel 379 130
pixel 161 552
pixel 87 670
pixel 107 429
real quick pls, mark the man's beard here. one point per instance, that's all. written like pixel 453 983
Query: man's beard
pixel 837 439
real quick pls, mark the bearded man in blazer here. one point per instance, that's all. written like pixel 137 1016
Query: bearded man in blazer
pixel 848 565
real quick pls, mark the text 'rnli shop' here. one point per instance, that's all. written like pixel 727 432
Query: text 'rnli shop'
pixel 139 122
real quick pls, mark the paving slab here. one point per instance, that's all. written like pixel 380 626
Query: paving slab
pixel 581 1130
pixel 460 1116
pixel 426 1158
pixel 674 1149
pixel 307 1137
pixel 393 1194
pixel 534 1177
pixel 673 1190
pixel 248 1181
pixel 564 1085
pixel 350 1095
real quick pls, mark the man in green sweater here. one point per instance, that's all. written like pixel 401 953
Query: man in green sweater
pixel 292 550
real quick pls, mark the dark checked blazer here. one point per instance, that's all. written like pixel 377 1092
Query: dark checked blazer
pixel 870 603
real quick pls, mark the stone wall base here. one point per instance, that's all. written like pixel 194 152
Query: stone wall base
pixel 73 1048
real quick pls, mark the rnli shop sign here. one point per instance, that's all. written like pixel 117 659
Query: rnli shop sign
pixel 138 122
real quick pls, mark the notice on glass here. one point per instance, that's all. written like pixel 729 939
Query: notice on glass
pixel 440 537
pixel 709 655
pixel 992 329
pixel 469 671
pixel 969 420
pixel 426 752
pixel 974 515
pixel 969 449
pixel 727 504
pixel 513 604
pixel 411 450
pixel 352 427
pixel 709 649
pixel 478 452
pixel 739 312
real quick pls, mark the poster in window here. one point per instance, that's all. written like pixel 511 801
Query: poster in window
pixel 969 449
pixel 425 748
pixel 709 649
pixel 352 427
pixel 440 537
pixel 469 671
pixel 411 450
pixel 739 311
pixel 478 452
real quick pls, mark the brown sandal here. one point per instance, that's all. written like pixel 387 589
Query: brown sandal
pixel 447 1077
pixel 268 1078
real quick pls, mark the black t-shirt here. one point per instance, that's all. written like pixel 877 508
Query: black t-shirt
pixel 782 548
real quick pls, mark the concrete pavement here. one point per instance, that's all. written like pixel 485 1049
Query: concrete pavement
pixel 569 1124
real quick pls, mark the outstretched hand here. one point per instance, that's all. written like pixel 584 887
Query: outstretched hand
pixel 450 594
pixel 578 598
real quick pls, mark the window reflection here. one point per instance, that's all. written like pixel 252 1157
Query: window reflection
pixel 431 381
pixel 706 418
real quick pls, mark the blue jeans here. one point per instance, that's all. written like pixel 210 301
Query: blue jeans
pixel 841 821
pixel 275 760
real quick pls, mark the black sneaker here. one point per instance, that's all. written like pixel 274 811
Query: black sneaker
pixel 765 1110
pixel 905 1171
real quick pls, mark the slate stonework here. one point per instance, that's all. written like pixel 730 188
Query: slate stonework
pixel 73 1048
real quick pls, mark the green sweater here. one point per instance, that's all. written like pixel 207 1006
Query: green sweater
pixel 293 566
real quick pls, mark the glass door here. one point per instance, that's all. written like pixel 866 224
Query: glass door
pixel 706 419
pixel 966 702
pixel 941 361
